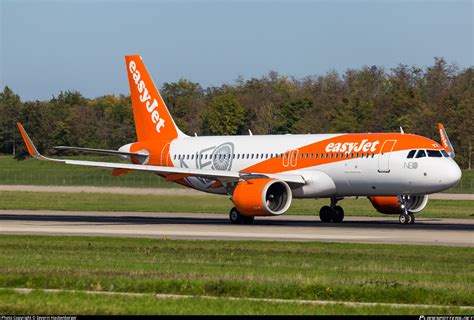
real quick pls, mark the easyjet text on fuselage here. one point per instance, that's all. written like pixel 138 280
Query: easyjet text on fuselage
pixel 349 147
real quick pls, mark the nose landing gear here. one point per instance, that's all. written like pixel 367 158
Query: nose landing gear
pixel 332 213
pixel 406 217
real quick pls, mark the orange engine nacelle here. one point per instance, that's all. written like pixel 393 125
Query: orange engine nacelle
pixel 392 204
pixel 262 197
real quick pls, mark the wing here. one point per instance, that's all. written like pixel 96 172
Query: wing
pixel 140 156
pixel 445 140
pixel 225 176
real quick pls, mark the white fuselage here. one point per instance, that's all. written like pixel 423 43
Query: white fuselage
pixel 368 174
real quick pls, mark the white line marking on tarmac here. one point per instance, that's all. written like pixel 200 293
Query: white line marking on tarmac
pixel 297 301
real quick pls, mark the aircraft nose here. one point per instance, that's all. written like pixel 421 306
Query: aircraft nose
pixel 452 175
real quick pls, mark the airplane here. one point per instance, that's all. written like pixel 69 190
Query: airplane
pixel 263 173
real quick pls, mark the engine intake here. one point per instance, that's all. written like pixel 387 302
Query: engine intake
pixel 392 204
pixel 262 197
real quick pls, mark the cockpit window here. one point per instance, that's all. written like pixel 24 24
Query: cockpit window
pixel 444 153
pixel 411 154
pixel 434 153
pixel 421 154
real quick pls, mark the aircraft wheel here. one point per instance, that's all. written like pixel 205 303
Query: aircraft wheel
pixel 234 216
pixel 338 214
pixel 403 218
pixel 411 218
pixel 325 214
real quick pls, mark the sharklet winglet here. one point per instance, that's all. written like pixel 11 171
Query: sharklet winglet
pixel 31 147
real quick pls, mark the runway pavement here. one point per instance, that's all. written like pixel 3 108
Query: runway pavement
pixel 384 229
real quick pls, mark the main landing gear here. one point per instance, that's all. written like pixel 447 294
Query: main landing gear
pixel 406 217
pixel 237 218
pixel 332 213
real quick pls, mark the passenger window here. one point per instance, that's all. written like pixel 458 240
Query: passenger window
pixel 434 154
pixel 411 154
pixel 444 153
pixel 421 154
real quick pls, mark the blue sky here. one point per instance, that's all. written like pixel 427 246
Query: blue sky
pixel 49 46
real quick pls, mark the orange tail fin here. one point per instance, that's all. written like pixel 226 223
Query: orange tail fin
pixel 153 121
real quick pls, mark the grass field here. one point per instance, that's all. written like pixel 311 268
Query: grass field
pixel 208 204
pixel 284 270
pixel 34 172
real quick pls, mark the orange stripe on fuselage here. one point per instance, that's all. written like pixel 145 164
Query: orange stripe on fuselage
pixel 360 143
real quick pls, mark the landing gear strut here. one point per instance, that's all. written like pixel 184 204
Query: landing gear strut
pixel 406 217
pixel 237 218
pixel 332 213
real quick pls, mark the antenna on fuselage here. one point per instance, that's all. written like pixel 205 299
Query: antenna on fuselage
pixel 401 130
pixel 250 133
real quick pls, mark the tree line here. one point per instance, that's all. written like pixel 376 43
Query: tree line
pixel 369 99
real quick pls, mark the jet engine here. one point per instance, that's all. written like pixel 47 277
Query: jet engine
pixel 262 197
pixel 393 204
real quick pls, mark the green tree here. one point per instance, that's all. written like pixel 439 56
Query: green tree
pixel 10 112
pixel 225 116
pixel 185 100
pixel 291 114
